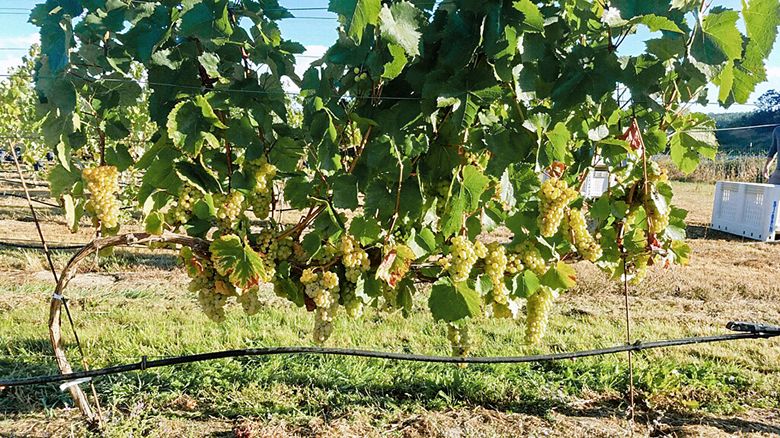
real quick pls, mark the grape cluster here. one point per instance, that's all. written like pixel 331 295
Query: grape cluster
pixel 639 268
pixel 229 209
pixel 249 301
pixel 458 335
pixel 554 196
pixel 657 221
pixel 532 258
pixel 477 160
pixel 463 254
pixel 188 196
pixel 538 313
pixel 495 267
pixel 323 289
pixel 353 257
pixel 262 192
pixel 269 248
pixel 577 233
pixel 514 263
pixel 103 185
pixel 655 173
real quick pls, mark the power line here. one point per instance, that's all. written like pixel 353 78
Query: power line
pixel 750 331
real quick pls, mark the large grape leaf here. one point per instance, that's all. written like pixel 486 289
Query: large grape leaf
pixel 236 261
pixel 190 124
pixel 687 147
pixel 533 18
pixel 149 33
pixel 356 15
pixel 207 19
pixel 717 39
pixel 399 25
pixel 452 302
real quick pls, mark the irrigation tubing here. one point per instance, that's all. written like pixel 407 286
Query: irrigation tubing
pixel 16 195
pixel 750 331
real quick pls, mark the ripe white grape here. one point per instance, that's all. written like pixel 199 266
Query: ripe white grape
pixel 495 267
pixel 323 289
pixel 538 313
pixel 459 339
pixel 354 258
pixel 554 196
pixel 262 192
pixel 577 233
pixel 103 184
pixel 461 258
pixel 249 301
pixel 532 258
pixel 229 209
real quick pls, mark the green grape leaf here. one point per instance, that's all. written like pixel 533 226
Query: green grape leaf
pixel 399 26
pixel 356 15
pixel 61 180
pixel 657 23
pixel 394 68
pixel 524 284
pixel 532 17
pixel 198 175
pixel 73 212
pixel 154 223
pixel 365 230
pixel 561 276
pixel 236 261
pixel 452 220
pixel 189 124
pixel 148 33
pixel 207 19
pixel 120 157
pixel 453 302
pixel 290 290
pixel 688 146
pixel 474 185
pixel 717 39
pixel 345 193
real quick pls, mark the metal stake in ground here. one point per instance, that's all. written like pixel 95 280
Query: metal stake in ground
pixel 73 389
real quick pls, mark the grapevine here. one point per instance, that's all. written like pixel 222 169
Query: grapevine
pixel 403 150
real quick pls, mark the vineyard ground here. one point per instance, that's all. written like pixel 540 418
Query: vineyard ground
pixel 135 303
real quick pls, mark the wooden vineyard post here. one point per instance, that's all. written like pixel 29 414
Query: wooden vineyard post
pixel 55 308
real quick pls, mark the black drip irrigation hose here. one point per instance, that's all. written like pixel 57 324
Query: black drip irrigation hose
pixel 16 195
pixel 749 331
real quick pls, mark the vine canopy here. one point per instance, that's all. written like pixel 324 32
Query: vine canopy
pixel 424 121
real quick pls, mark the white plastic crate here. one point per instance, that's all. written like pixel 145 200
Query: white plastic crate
pixel 596 183
pixel 747 209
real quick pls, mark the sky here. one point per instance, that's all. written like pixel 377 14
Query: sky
pixel 316 30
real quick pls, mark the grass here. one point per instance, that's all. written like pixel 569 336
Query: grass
pixel 148 312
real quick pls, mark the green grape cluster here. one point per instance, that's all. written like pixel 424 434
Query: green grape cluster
pixel 538 313
pixel 353 257
pixel 323 289
pixel 462 257
pixel 103 185
pixel 657 221
pixel 262 192
pixel 267 246
pixel 532 258
pixel 495 267
pixel 477 160
pixel 514 263
pixel 577 233
pixel 554 196
pixel 655 173
pixel 249 301
pixel 639 268
pixel 229 209
pixel 188 196
pixel 458 335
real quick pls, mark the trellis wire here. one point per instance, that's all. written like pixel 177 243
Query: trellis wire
pixel 751 331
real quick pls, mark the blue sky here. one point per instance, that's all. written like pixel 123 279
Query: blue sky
pixel 314 33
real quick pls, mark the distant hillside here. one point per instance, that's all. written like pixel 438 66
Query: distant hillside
pixel 749 141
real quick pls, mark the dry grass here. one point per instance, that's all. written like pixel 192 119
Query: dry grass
pixel 722 168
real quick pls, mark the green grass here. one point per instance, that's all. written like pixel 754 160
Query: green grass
pixel 121 324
